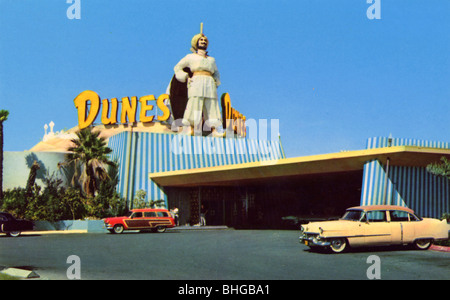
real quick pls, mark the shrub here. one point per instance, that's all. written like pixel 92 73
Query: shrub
pixel 16 201
pixel 55 202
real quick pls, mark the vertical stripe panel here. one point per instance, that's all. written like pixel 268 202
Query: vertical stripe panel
pixel 160 152
pixel 413 187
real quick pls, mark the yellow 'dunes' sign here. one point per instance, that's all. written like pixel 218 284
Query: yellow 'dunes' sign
pixel 110 109
pixel 129 107
pixel 233 120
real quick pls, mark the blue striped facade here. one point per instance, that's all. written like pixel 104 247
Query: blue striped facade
pixel 380 142
pixel 142 153
pixel 413 187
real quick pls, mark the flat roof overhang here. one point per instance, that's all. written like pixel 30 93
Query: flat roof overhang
pixel 298 167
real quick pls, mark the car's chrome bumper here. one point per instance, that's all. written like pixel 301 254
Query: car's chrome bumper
pixel 313 240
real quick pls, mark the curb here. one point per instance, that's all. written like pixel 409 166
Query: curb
pixel 19 273
pixel 44 232
pixel 52 232
pixel 440 248
pixel 199 227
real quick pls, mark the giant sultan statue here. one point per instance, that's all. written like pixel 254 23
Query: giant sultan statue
pixel 193 89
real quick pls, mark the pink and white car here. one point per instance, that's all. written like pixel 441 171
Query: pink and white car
pixel 375 225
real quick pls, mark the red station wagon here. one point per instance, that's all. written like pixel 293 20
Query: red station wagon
pixel 156 219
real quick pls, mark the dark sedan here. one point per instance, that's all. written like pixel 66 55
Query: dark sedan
pixel 13 227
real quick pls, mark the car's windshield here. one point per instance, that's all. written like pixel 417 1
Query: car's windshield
pixel 352 215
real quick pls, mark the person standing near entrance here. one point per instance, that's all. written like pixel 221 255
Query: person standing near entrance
pixel 174 212
pixel 202 86
pixel 203 213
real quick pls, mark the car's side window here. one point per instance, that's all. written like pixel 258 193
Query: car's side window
pixel 150 214
pixel 399 216
pixel 413 218
pixel 376 216
pixel 363 218
pixel 136 215
pixel 162 214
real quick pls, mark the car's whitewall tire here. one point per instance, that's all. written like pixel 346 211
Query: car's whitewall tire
pixel 338 245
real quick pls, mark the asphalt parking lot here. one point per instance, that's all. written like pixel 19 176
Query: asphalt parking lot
pixel 210 255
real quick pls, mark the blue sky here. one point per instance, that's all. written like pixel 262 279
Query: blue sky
pixel 330 75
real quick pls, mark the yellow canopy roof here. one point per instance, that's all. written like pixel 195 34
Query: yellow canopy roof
pixel 299 166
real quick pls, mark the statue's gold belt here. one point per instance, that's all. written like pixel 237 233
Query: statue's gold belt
pixel 202 73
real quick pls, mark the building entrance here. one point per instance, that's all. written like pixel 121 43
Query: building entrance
pixel 268 205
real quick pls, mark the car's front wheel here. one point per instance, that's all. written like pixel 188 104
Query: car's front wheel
pixel 338 245
pixel 14 233
pixel 422 244
pixel 118 228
